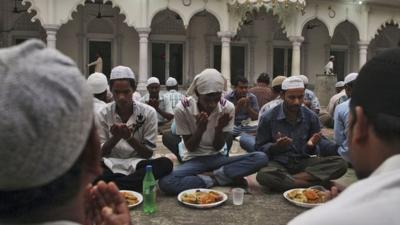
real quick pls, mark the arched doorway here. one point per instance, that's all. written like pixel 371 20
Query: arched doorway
pixel 97 27
pixel 167 46
pixel 344 46
pixel 316 48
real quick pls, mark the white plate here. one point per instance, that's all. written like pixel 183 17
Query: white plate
pixel 301 204
pixel 137 195
pixel 202 206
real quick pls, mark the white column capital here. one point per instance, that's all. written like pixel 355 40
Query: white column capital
pixel 51 31
pixel 363 44
pixel 296 40
pixel 143 31
pixel 226 34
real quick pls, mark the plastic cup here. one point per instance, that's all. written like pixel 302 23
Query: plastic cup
pixel 237 196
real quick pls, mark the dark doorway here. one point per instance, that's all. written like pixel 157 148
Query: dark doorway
pixel 238 60
pixel 104 49
pixel 339 64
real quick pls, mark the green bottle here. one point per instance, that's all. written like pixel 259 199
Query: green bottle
pixel 149 191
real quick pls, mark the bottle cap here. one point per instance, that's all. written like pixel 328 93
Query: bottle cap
pixel 149 168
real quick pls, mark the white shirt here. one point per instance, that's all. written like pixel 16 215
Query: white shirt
pixel 372 201
pixel 185 119
pixel 174 97
pixel 269 105
pixel 98 105
pixel 136 96
pixel 328 69
pixel 164 105
pixel 123 158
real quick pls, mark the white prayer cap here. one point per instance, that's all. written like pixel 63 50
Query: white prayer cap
pixel 331 57
pixel 278 80
pixel 206 82
pixel 292 83
pixel 339 84
pixel 97 83
pixel 153 80
pixel 121 72
pixel 46 115
pixel 171 82
pixel 304 79
pixel 350 78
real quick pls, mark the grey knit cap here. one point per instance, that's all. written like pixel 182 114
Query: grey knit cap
pixel 46 113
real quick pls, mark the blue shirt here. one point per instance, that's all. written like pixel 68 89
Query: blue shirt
pixel 310 96
pixel 341 127
pixel 243 114
pixel 274 121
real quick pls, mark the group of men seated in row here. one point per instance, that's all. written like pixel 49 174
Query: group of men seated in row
pixel 51 153
pixel 283 139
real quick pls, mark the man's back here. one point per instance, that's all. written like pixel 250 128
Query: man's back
pixel 263 94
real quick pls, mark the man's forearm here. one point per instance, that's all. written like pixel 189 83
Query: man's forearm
pixel 141 149
pixel 219 139
pixel 193 141
pixel 253 114
pixel 109 145
pixel 166 115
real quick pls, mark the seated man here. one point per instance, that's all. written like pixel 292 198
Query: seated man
pixel 342 111
pixel 205 123
pixel 172 95
pixel 50 152
pixel 289 134
pixel 128 133
pixel 159 103
pixel 262 90
pixel 98 86
pixel 310 99
pixel 246 107
pixel 248 141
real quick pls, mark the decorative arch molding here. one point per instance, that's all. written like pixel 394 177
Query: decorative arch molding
pixel 156 12
pixel 321 19
pixel 33 7
pixel 60 12
pixel 375 31
pixel 340 22
pixel 209 10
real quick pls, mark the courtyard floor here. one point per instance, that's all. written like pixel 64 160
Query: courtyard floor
pixel 259 207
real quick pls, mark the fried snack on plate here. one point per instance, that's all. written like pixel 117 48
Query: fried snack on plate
pixel 130 198
pixel 202 198
pixel 309 195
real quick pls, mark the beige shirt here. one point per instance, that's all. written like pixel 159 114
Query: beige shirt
pixel 99 65
pixel 185 119
pixel 333 102
pixel 123 158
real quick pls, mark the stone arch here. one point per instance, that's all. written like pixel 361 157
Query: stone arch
pixel 375 31
pixel 210 11
pixel 313 18
pixel 344 21
pixel 350 26
pixel 161 10
pixel 33 7
pixel 387 36
pixel 167 22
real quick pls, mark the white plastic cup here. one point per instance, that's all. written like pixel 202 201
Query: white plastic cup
pixel 237 196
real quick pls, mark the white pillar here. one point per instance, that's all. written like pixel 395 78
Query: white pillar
pixel 143 56
pixel 226 55
pixel 51 31
pixel 363 47
pixel 296 42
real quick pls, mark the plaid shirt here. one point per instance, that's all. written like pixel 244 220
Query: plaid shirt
pixel 174 97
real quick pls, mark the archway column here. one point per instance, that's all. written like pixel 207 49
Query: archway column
pixel 296 54
pixel 226 55
pixel 51 31
pixel 363 51
pixel 143 56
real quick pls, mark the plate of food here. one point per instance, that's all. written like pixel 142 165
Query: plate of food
pixel 202 198
pixel 306 197
pixel 132 198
